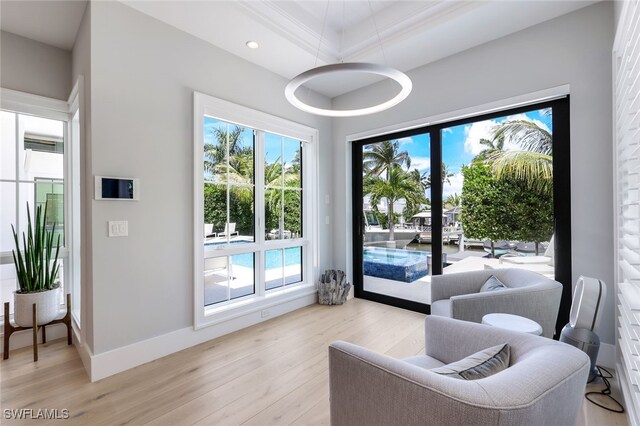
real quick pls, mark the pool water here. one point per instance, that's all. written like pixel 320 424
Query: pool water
pixel 393 256
pixel 273 258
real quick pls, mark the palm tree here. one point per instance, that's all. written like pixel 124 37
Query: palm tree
pixel 532 163
pixel 383 156
pixel 276 177
pixel 527 134
pixel 446 175
pixel 216 154
pixel 491 145
pixel 398 186
pixel 240 167
pixel 422 179
pixel 453 200
pixel 238 172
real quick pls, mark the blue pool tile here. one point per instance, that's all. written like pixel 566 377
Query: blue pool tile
pixel 395 264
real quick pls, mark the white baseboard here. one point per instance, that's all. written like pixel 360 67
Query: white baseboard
pixel 117 360
pixel 83 350
pixel 607 355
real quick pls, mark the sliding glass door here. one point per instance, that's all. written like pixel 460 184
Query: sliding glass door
pixel 485 192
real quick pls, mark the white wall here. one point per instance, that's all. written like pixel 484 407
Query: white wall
pixel 617 11
pixel 574 49
pixel 33 67
pixel 144 73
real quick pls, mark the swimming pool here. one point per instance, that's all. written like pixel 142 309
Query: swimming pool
pixel 395 264
pixel 273 258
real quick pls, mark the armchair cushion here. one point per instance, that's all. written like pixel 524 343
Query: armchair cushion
pixel 492 284
pixel 479 365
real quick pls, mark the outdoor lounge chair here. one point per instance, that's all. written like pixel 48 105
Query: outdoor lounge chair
pixel 215 264
pixel 274 234
pixel 208 230
pixel 546 259
pixel 229 229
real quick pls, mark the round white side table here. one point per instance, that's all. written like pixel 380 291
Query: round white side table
pixel 513 323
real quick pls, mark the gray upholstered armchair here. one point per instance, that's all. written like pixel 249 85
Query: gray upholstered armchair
pixel 529 295
pixel 543 384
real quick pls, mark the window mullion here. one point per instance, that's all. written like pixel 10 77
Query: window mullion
pixel 282 167
pixel 282 164
pixel 66 195
pixel 17 171
pixel 260 224
pixel 227 185
pixel 229 277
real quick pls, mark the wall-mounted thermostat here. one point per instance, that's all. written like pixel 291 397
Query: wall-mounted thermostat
pixel 114 188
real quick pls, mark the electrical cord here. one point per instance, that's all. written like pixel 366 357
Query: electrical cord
pixel 606 391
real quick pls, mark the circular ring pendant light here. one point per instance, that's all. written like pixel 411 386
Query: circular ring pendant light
pixel 385 71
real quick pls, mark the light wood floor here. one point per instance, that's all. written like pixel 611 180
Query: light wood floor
pixel 272 373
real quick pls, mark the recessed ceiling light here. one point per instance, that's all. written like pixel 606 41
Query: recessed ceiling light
pixel 252 44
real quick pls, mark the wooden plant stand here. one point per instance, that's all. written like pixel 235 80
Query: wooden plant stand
pixel 9 329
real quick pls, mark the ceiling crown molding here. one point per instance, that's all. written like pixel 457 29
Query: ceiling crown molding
pixel 393 24
pixel 397 23
pixel 277 19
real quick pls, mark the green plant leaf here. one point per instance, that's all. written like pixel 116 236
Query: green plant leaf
pixel 36 266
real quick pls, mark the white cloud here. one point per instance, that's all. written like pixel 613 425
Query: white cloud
pixel 455 187
pixel 405 141
pixel 447 130
pixel 420 163
pixel 475 132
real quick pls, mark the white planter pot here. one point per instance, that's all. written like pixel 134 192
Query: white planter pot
pixel 47 307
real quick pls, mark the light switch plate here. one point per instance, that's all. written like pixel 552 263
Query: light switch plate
pixel 118 228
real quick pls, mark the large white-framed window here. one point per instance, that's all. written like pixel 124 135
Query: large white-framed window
pixel 255 210
pixel 36 167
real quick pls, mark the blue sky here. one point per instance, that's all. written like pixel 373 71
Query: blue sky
pixel 460 144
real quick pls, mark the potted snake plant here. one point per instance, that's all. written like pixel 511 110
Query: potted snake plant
pixel 37 266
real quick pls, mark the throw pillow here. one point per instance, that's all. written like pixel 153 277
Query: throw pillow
pixel 479 365
pixel 492 284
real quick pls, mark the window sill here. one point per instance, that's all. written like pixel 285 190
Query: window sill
pixel 251 304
